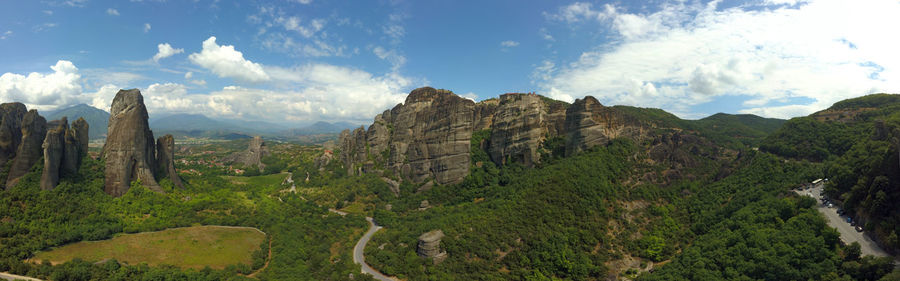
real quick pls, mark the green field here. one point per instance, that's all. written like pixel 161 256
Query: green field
pixel 187 247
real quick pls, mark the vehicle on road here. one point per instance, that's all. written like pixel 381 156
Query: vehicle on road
pixel 849 220
pixel 859 229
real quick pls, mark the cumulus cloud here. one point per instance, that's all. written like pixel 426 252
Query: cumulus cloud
pixel 305 30
pixel 112 12
pixel 42 90
pixel 165 51
pixel 684 55
pixel 225 61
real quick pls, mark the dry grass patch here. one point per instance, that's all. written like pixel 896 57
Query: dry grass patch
pixel 187 247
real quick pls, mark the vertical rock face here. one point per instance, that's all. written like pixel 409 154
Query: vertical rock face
pixel 81 128
pixel 589 123
pixel 429 246
pixel 33 131
pixel 11 115
pixel 484 114
pixel 426 137
pixel 429 135
pixel 129 149
pixel 254 154
pixel 165 156
pixel 432 130
pixel 54 148
pixel 521 124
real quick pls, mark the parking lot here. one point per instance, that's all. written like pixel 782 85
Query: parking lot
pixel 847 231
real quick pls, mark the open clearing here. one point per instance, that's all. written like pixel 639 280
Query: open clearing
pixel 186 247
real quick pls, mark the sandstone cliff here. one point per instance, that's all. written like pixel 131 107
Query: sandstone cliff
pixel 165 157
pixel 54 148
pixel 11 115
pixel 253 156
pixel 130 148
pixel 33 131
pixel 428 137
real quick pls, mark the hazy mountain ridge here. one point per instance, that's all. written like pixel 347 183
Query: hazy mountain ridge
pixel 97 119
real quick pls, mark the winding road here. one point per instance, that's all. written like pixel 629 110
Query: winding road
pixel 7 276
pixel 358 257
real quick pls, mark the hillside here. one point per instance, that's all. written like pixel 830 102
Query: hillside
pixel 97 119
pixel 858 141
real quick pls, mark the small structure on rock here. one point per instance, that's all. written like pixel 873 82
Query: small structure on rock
pixel 430 246
pixel 256 151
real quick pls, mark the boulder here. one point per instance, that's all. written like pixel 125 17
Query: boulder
pixel 11 115
pixel 165 157
pixel 54 147
pixel 33 131
pixel 430 246
pixel 129 149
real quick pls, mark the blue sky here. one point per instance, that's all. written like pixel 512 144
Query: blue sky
pixel 302 61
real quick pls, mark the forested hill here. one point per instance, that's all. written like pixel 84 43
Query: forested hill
pixel 857 140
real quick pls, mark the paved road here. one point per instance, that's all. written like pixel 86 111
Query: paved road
pixel 358 257
pixel 7 276
pixel 848 233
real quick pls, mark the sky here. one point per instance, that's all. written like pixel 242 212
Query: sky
pixel 300 61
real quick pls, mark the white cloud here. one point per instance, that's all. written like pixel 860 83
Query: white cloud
pixel 165 51
pixel 295 24
pixel 685 55
pixel 146 27
pixel 42 89
pixel 48 12
pixel 103 97
pixel 470 95
pixel 44 26
pixel 305 2
pixel 112 12
pixel 188 75
pixel 581 11
pixel 509 44
pixel 6 34
pixel 225 61
pixel 391 56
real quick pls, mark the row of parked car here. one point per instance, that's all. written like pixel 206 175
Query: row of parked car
pixel 840 211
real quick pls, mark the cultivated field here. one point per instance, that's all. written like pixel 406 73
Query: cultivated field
pixel 187 247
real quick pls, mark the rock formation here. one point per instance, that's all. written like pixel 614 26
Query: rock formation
pixel 129 149
pixel 254 154
pixel 33 131
pixel 522 122
pixel 81 132
pixel 165 157
pixel 54 148
pixel 323 160
pixel 11 115
pixel 589 123
pixel 430 246
pixel 427 139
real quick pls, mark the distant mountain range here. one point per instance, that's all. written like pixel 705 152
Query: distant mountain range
pixel 97 119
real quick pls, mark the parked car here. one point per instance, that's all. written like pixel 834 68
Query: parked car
pixel 849 220
pixel 840 211
pixel 859 229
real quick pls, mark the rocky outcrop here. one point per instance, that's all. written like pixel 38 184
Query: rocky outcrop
pixel 11 115
pixel 323 160
pixel 33 131
pixel 129 149
pixel 522 123
pixel 54 149
pixel 589 123
pixel 256 151
pixel 81 132
pixel 165 157
pixel 427 139
pixel 430 246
